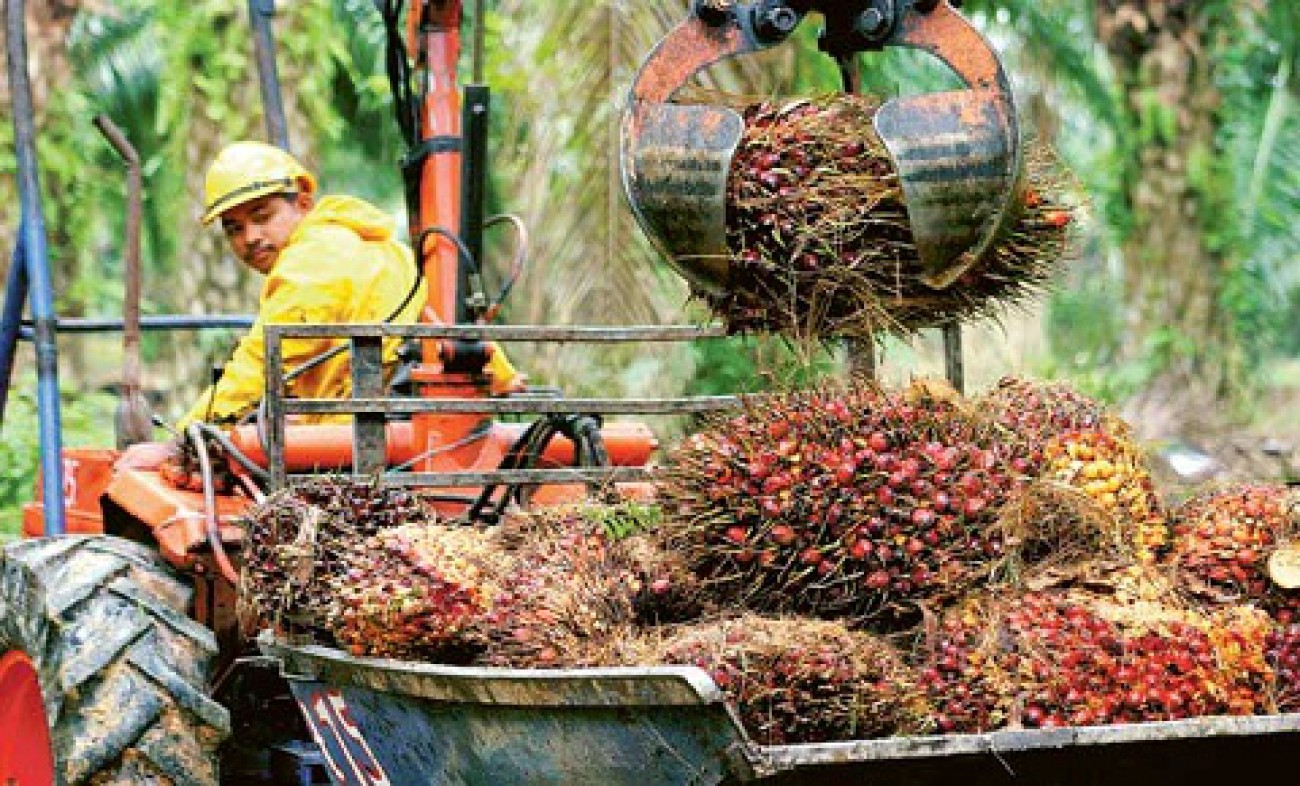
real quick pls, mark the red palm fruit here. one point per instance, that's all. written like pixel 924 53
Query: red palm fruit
pixel 1222 541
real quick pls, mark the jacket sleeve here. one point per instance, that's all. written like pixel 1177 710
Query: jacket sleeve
pixel 301 288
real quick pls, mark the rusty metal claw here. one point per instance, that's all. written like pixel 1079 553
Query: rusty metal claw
pixel 957 153
pixel 675 158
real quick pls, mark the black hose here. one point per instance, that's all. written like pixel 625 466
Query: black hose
pixel 210 506
pixel 235 453
pixel 588 451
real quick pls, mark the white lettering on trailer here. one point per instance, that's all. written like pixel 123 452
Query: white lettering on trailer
pixel 339 737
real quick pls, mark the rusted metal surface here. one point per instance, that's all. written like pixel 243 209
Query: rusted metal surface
pixel 953 362
pixel 1168 753
pixel 555 726
pixel 467 479
pixel 676 176
pixel 418 723
pixel 274 403
pixel 957 153
pixel 410 406
pixel 467 461
pixel 675 158
pixel 368 438
pixel 581 333
pixel 133 418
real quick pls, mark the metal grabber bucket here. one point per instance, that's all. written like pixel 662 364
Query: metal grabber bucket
pixel 958 153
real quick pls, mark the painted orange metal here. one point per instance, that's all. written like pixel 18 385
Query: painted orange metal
pixel 175 516
pixel 692 45
pixel 86 473
pixel 434 34
pixel 329 447
pixel 25 753
pixel 438 431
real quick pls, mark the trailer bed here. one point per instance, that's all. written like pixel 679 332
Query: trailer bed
pixel 383 721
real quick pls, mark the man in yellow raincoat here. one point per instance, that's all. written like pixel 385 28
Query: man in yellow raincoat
pixel 327 260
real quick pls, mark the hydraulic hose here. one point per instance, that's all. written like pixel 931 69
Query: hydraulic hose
pixel 195 433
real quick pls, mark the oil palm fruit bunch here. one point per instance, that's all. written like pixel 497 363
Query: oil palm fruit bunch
pixel 568 589
pixel 296 540
pixel 1070 657
pixel 1079 445
pixel 1106 464
pixel 1037 410
pixel 642 570
pixel 820 240
pixel 664 590
pixel 415 592
pixel 1283 645
pixel 842 500
pixel 800 680
pixel 1223 539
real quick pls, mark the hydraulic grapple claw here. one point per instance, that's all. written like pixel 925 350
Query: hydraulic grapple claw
pixel 958 153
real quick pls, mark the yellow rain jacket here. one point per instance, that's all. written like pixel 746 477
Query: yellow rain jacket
pixel 341 265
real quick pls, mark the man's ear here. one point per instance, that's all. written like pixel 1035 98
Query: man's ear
pixel 304 201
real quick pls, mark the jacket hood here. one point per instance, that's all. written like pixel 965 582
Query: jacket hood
pixel 368 221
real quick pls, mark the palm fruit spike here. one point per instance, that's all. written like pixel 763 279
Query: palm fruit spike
pixel 1222 541
pixel 1106 465
pixel 1045 658
pixel 820 239
pixel 568 589
pixel 799 680
pixel 1038 410
pixel 295 539
pixel 414 591
pixel 842 500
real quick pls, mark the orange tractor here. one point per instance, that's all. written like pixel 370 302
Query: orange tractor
pixel 123 660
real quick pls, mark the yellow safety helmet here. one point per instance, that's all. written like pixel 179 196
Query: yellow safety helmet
pixel 245 171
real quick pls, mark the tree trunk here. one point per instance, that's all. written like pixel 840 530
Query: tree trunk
pixel 1175 321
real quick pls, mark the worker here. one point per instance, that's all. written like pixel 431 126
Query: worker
pixel 327 260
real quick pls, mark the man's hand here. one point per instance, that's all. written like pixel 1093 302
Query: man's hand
pixel 148 455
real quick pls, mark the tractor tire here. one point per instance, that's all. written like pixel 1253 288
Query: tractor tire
pixel 123 670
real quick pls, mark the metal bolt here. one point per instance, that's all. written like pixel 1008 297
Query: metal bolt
pixel 714 13
pixel 871 23
pixel 776 23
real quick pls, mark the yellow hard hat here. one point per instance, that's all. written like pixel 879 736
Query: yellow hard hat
pixel 245 171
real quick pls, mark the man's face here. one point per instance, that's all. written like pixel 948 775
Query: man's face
pixel 259 229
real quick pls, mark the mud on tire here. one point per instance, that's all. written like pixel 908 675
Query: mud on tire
pixel 123 670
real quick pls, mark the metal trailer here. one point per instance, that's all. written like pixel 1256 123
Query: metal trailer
pixel 382 721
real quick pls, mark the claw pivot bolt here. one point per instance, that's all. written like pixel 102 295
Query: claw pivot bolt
pixel 714 13
pixel 774 24
pixel 871 23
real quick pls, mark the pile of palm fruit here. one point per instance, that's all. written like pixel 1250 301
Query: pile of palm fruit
pixel 796 680
pixel 820 240
pixel 300 549
pixel 1097 647
pixel 845 562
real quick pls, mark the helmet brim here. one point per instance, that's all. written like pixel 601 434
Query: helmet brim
pixel 255 190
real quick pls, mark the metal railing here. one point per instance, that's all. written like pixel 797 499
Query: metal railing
pixel 372 408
